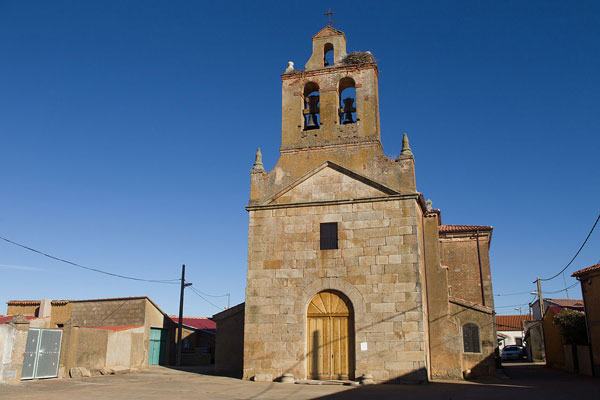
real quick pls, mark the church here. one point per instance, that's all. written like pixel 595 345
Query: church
pixel 351 273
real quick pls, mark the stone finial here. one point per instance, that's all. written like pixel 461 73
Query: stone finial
pixel 290 67
pixel 429 204
pixel 258 164
pixel 406 151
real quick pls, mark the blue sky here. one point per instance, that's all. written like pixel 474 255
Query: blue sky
pixel 128 130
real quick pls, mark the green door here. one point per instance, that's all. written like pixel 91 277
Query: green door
pixel 158 346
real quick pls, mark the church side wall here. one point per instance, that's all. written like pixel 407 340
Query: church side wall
pixel 376 267
pixel 459 254
pixel 481 363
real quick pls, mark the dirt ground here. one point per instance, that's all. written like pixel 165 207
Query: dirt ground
pixel 525 382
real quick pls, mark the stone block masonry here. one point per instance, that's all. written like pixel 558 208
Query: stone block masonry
pixel 375 266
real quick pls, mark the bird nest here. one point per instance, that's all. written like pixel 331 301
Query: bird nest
pixel 358 57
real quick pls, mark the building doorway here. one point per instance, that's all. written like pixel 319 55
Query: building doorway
pixel 158 346
pixel 330 337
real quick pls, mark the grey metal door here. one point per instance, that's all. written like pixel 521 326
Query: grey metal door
pixel 42 353
pixel 30 355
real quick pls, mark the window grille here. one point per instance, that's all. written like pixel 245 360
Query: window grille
pixel 471 338
pixel 329 236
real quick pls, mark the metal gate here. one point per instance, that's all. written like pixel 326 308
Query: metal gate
pixel 42 353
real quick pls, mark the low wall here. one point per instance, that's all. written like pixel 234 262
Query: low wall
pixel 13 337
pixel 97 348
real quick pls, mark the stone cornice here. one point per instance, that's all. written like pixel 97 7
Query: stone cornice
pixel 328 70
pixel 409 196
pixel 350 143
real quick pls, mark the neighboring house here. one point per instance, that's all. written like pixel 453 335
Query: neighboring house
pixel 535 329
pixel 97 333
pixel 198 340
pixel 590 287
pixel 553 339
pixel 571 304
pixel 229 359
pixel 510 329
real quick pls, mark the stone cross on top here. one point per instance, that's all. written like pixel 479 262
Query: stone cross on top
pixel 329 13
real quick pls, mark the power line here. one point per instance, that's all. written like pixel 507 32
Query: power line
pixel 513 294
pixel 212 295
pixel 513 305
pixel 168 281
pixel 562 290
pixel 197 292
pixel 576 254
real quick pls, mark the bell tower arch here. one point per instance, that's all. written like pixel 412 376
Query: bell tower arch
pixel 311 121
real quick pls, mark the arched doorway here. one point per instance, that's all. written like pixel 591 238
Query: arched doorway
pixel 330 337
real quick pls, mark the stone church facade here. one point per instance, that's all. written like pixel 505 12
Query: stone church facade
pixel 350 271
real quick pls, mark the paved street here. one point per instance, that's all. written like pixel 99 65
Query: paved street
pixel 526 382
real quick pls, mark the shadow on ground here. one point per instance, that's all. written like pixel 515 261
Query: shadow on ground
pixel 525 382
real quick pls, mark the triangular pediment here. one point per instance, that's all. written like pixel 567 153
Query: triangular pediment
pixel 330 182
pixel 328 31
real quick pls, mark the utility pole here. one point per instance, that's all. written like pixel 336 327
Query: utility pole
pixel 540 297
pixel 180 330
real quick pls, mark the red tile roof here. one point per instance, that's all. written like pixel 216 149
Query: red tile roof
pixel 556 309
pixel 35 302
pixel 511 322
pixel 5 318
pixel 586 270
pixel 568 303
pixel 196 322
pixel 464 228
pixel 113 328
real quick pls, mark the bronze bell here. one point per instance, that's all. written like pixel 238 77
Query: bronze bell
pixel 348 110
pixel 311 122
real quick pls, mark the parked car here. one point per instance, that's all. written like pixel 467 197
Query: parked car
pixel 513 352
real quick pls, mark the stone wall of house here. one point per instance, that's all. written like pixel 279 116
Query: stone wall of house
pixel 118 312
pixel 376 267
pixel 28 309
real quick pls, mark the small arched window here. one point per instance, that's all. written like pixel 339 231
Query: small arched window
pixel 328 55
pixel 471 338
pixel 311 106
pixel 347 109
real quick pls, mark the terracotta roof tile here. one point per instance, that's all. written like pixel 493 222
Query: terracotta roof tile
pixel 196 322
pixel 569 303
pixel 464 228
pixel 511 322
pixel 35 302
pixel 586 270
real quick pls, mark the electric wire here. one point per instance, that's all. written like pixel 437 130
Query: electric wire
pixel 576 254
pixel 167 281
pixel 513 305
pixel 197 292
pixel 562 290
pixel 212 295
pixel 513 294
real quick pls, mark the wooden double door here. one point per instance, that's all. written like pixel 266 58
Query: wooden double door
pixel 330 338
